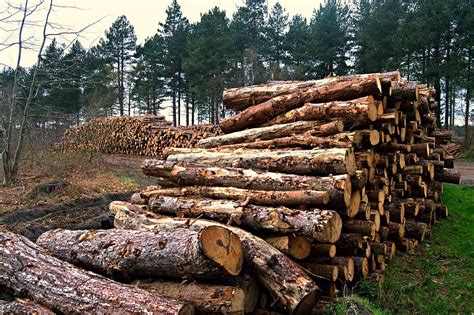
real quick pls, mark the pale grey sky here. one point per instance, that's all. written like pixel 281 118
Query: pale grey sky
pixel 144 15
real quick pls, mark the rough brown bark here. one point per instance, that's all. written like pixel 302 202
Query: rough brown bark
pixel 322 225
pixel 292 289
pixel 359 226
pixel 339 89
pixel 243 97
pixel 272 132
pixel 206 298
pixel 260 197
pixel 302 162
pixel 338 186
pixel 305 140
pixel 448 175
pixel 59 286
pixel 180 253
pixel 357 111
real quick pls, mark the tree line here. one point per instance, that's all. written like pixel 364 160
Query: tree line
pixel 190 64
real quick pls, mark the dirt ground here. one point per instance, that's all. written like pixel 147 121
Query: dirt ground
pixel 90 185
pixel 466 168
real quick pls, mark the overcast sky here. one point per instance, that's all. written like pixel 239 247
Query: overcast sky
pixel 144 15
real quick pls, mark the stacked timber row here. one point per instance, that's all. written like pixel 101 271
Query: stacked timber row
pixel 139 135
pixel 314 186
pixel 301 157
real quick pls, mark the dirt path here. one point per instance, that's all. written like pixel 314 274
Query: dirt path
pixel 467 171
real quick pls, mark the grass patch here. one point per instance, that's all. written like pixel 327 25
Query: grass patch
pixel 439 277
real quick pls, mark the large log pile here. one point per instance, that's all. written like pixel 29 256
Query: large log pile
pixel 314 186
pixel 138 135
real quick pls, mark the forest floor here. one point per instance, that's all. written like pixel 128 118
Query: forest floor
pixel 438 278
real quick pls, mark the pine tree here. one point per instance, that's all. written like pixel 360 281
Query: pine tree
pixel 174 31
pixel 275 36
pixel 149 74
pixel 330 34
pixel 296 44
pixel 248 36
pixel 118 48
pixel 207 61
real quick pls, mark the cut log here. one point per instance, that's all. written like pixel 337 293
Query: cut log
pixel 358 111
pixel 361 266
pixel 272 132
pixel 338 186
pixel 359 226
pixel 295 246
pixel 337 90
pixel 415 230
pixel 323 250
pixel 345 266
pixel 306 140
pixel 292 289
pixel 179 253
pixel 448 175
pixel 305 162
pixel 330 272
pixel 244 97
pixel 322 225
pixel 206 298
pixel 28 270
pixel 260 197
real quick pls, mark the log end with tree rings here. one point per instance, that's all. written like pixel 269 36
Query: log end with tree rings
pixel 350 269
pixel 223 247
pixel 373 109
pixel 351 165
pixel 307 303
pixel 354 207
pixel 296 246
pixel 333 229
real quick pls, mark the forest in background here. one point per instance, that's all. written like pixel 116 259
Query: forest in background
pixel 188 65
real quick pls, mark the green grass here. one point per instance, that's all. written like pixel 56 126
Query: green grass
pixel 439 277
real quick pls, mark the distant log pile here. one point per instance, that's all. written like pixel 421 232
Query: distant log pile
pixel 139 135
pixel 314 186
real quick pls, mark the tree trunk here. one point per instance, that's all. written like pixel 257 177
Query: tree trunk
pixel 244 97
pixel 175 120
pixel 292 289
pixel 305 162
pixel 178 253
pixel 358 111
pixel 58 285
pixel 338 186
pixel 338 88
pixel 260 197
pixel 206 298
pixel 272 132
pixel 322 225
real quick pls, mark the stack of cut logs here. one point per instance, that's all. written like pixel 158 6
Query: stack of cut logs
pixel 314 186
pixel 139 135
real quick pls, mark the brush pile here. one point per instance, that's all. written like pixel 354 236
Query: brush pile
pixel 138 135
pixel 314 186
